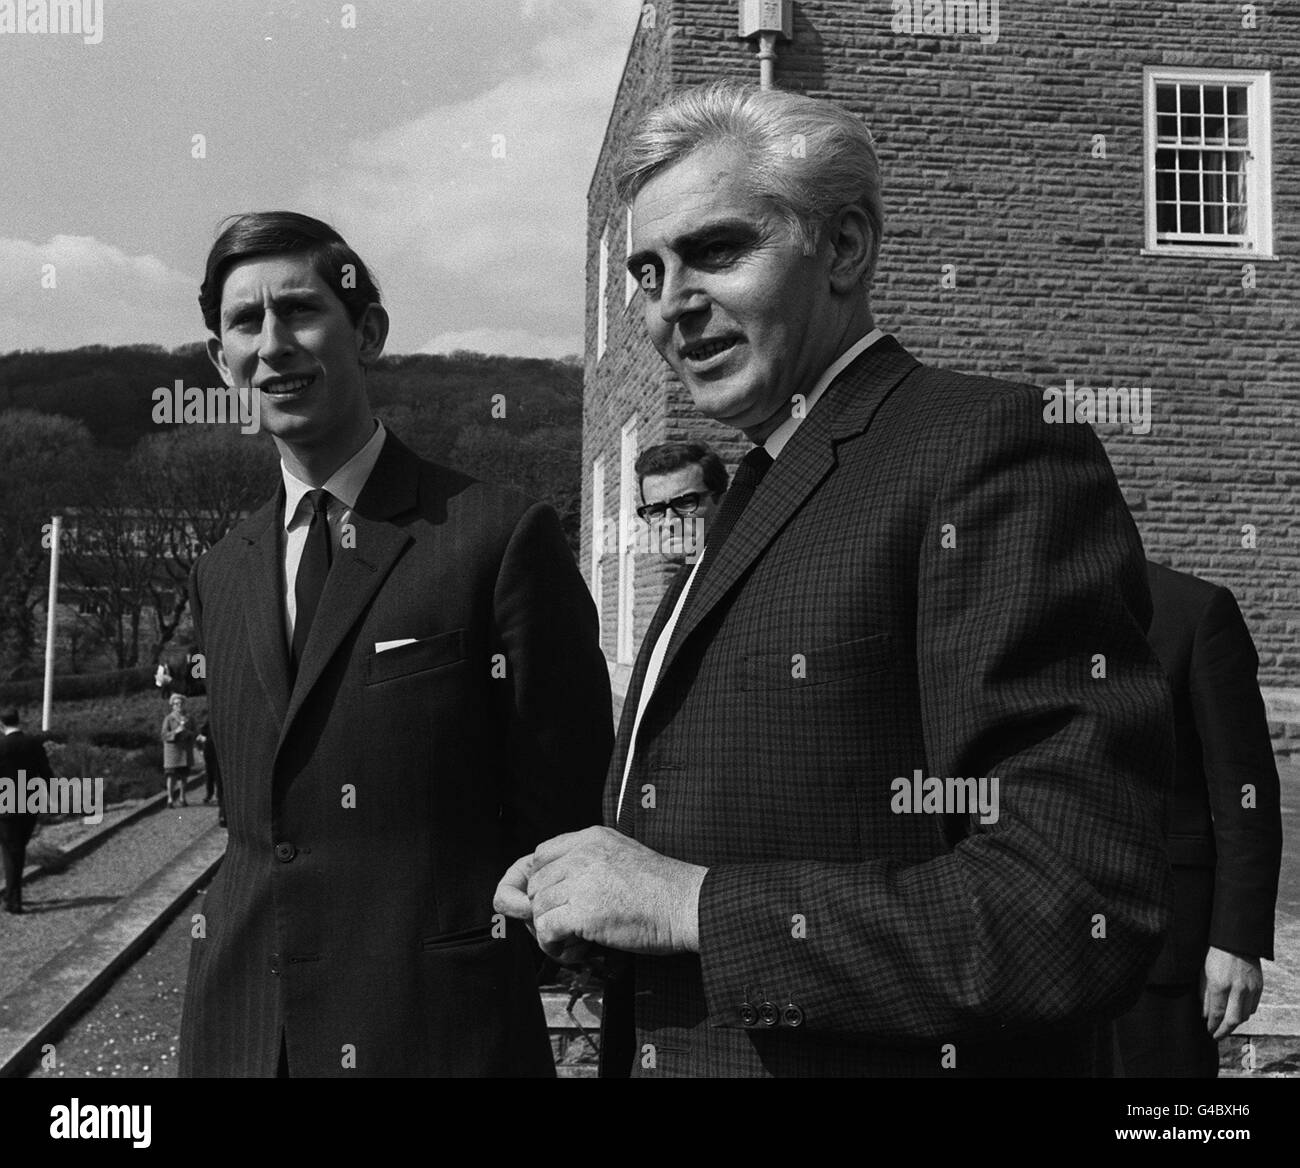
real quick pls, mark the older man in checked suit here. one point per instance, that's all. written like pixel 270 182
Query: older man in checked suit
pixel 913 571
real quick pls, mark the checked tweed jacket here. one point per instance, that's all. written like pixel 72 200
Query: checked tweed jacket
pixel 837 644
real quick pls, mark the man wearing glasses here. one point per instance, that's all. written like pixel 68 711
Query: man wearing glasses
pixel 687 479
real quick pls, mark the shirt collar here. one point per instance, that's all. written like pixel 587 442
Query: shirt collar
pixel 781 435
pixel 345 484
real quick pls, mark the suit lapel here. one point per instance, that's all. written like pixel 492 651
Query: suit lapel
pixel 845 409
pixel 627 718
pixel 369 551
pixel 263 586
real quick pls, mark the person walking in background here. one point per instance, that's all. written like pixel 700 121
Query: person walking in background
pixel 1224 834
pixel 178 750
pixel 211 771
pixel 21 757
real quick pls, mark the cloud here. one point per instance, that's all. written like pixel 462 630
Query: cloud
pixel 77 290
pixel 502 342
pixel 475 213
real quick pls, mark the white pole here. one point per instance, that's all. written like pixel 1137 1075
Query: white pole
pixel 766 59
pixel 50 606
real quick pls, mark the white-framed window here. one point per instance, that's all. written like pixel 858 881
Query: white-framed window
pixel 1208 162
pixel 602 295
pixel 627 501
pixel 630 285
pixel 597 578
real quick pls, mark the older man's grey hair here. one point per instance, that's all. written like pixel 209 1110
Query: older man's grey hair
pixel 809 157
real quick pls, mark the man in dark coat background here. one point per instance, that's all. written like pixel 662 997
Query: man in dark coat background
pixel 19 752
pixel 1224 833
pixel 405 689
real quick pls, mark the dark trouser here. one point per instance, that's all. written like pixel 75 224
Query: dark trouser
pixel 1164 1036
pixel 15 831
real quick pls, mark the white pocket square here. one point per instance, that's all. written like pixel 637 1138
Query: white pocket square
pixel 384 646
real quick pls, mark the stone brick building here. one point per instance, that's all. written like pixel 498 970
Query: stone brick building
pixel 1106 194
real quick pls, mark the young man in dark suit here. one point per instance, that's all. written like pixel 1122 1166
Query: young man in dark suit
pixel 19 753
pixel 404 689
pixel 915 580
pixel 1224 833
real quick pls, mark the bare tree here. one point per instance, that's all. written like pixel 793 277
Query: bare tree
pixel 194 483
pixel 42 463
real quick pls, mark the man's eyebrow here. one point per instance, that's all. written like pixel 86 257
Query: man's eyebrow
pixel 736 225
pixel 290 296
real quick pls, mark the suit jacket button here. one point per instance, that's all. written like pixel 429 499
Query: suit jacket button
pixel 792 1015
pixel 767 1014
pixel 284 852
pixel 748 1015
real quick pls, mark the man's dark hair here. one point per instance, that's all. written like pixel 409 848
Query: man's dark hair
pixel 671 456
pixel 276 233
pixel 9 717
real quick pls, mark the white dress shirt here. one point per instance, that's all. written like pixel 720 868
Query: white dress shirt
pixel 344 486
pixel 776 442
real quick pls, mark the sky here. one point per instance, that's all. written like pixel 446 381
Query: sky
pixel 451 142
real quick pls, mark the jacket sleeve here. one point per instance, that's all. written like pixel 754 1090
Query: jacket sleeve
pixel 559 718
pixel 1032 668
pixel 1242 776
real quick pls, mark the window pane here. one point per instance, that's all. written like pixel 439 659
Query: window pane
pixel 1237 220
pixel 1237 132
pixel 1165 100
pixel 1166 217
pixel 1213 187
pixel 1214 99
pixel 1190 127
pixel 1191 95
pixel 1236 180
pixel 1165 186
pixel 1189 187
pixel 1167 127
pixel 1190 219
pixel 1236 100
pixel 1216 131
pixel 1213 219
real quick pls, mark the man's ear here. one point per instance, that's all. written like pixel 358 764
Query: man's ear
pixel 372 332
pixel 853 245
pixel 217 355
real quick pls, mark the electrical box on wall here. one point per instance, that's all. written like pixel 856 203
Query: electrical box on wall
pixel 759 16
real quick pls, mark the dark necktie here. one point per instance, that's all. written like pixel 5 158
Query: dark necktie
pixel 317 555
pixel 749 474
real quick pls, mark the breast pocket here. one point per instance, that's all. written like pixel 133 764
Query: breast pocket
pixel 437 652
pixel 819 665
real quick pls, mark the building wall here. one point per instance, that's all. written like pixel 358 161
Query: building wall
pixel 991 165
